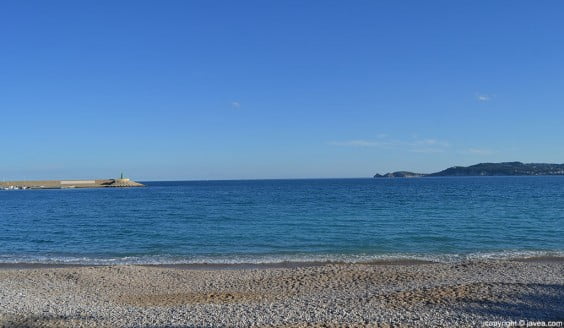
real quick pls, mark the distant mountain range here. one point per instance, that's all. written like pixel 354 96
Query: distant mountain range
pixel 486 169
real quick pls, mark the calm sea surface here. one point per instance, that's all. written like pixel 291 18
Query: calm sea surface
pixel 286 220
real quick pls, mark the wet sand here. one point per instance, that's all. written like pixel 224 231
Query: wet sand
pixel 542 259
pixel 216 266
pixel 287 294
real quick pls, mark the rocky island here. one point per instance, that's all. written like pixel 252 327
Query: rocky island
pixel 399 174
pixel 486 169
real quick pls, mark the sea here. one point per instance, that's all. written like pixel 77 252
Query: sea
pixel 440 219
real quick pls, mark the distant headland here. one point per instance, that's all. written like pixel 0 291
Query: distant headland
pixel 486 169
pixel 120 182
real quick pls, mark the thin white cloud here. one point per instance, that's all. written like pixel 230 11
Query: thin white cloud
pixel 359 143
pixel 430 142
pixel 235 104
pixel 415 145
pixel 478 151
pixel 428 150
pixel 483 97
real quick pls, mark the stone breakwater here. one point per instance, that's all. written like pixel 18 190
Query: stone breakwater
pixel 64 184
pixel 425 295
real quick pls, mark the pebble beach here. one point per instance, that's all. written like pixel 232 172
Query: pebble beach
pixel 388 294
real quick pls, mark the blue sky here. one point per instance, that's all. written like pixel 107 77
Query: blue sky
pixel 276 89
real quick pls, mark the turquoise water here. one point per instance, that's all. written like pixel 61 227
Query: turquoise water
pixel 286 220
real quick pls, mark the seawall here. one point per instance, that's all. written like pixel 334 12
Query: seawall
pixel 64 184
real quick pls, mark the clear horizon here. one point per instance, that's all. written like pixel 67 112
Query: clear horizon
pixel 254 90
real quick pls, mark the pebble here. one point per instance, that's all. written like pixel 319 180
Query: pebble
pixel 355 295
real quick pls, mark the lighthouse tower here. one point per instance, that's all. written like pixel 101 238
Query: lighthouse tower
pixel 122 180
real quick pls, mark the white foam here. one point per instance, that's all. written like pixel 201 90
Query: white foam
pixel 273 259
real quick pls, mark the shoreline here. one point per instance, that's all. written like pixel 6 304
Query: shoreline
pixel 267 265
pixel 540 259
pixel 208 266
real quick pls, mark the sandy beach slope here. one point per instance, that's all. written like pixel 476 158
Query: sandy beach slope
pixel 379 295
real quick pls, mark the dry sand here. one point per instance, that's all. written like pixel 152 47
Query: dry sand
pixel 375 294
